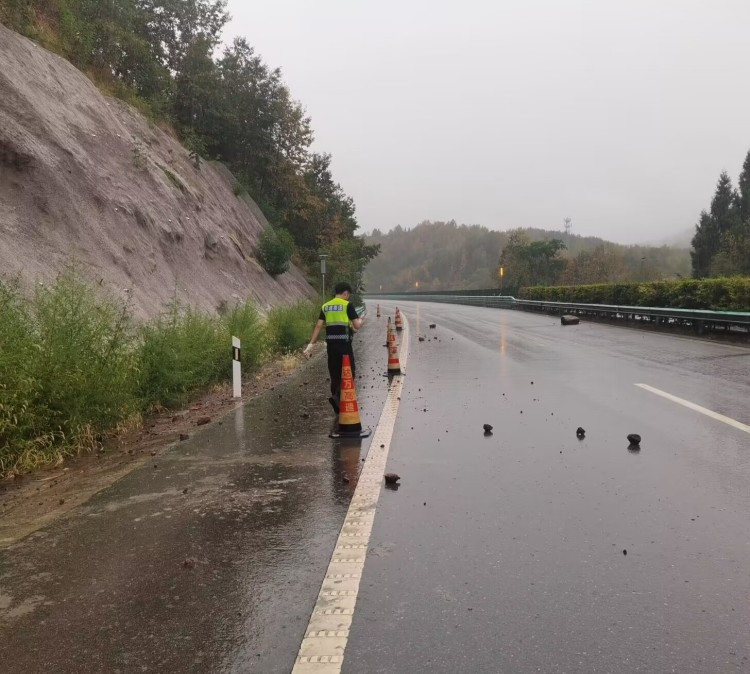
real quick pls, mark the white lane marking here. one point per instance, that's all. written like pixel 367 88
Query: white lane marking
pixel 322 649
pixel 697 408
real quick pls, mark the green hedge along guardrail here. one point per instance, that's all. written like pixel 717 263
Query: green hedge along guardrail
pixel 700 320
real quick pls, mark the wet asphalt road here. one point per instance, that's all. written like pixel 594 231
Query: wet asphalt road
pixel 146 578
pixel 507 553
pixel 497 554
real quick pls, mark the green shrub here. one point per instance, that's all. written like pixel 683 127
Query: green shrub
pixel 275 249
pixel 289 328
pixel 21 420
pixel 84 359
pixel 180 352
pixel 719 294
pixel 196 146
pixel 245 322
pixel 66 367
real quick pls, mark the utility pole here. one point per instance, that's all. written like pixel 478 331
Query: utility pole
pixel 323 272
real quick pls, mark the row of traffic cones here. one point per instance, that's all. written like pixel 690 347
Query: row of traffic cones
pixel 398 321
pixel 350 423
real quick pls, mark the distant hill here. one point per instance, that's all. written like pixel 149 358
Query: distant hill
pixel 681 239
pixel 445 256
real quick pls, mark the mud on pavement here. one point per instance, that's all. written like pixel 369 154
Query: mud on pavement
pixel 30 502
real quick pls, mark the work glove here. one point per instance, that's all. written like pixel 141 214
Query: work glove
pixel 307 351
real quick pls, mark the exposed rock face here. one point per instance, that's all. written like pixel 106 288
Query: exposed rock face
pixel 87 179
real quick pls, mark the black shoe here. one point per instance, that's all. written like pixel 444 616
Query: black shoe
pixel 334 404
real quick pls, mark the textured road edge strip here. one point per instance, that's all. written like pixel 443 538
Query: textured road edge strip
pixel 697 408
pixel 322 649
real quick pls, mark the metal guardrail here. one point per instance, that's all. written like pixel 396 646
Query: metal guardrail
pixel 497 301
pixel 700 320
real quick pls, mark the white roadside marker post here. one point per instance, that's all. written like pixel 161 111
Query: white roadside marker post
pixel 236 368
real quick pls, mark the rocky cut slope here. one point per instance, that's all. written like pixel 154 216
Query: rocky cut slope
pixel 86 179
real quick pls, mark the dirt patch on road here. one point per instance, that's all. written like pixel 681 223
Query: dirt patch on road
pixel 32 501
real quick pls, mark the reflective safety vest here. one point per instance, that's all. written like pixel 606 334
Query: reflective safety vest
pixel 337 320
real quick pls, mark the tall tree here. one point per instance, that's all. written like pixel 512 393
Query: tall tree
pixel 744 190
pixel 719 229
pixel 173 26
pixel 724 203
pixel 194 104
pixel 734 257
pixel 266 135
pixel 706 243
pixel 527 262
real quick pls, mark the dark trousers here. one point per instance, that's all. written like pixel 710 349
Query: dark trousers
pixel 336 353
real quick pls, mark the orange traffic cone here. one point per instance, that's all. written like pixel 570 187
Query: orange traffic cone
pixel 378 313
pixel 394 363
pixel 399 324
pixel 350 425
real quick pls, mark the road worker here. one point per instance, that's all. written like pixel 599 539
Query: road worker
pixel 341 321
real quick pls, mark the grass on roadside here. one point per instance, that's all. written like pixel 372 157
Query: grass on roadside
pixel 74 366
pixel 290 327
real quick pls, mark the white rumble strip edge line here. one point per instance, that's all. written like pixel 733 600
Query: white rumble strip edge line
pixel 326 635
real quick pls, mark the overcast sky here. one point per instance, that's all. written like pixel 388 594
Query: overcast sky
pixel 619 115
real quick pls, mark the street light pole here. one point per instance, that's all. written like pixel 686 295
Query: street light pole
pixel 323 272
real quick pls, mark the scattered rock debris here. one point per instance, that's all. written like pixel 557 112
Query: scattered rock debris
pixel 391 478
pixel 634 439
pixel 580 433
pixel 487 429
pixel 202 421
pixel 184 436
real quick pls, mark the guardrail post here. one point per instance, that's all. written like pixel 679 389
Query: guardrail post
pixel 236 368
